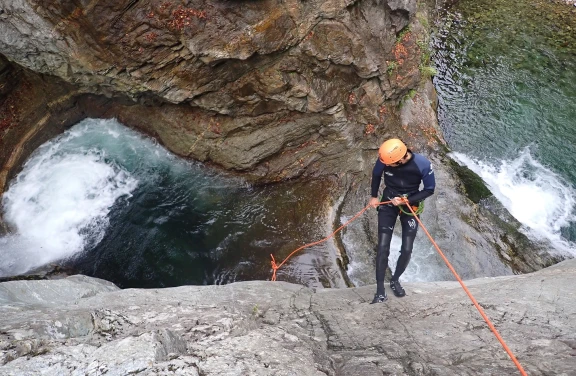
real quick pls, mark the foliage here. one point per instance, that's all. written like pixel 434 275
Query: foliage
pixel 402 33
pixel 423 21
pixel 391 66
pixel 427 71
pixel 411 94
pixel 425 50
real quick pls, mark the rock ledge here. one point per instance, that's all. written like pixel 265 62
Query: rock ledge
pixel 85 326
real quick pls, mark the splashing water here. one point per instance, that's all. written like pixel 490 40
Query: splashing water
pixel 59 204
pixel 537 197
pixel 110 203
pixel 506 92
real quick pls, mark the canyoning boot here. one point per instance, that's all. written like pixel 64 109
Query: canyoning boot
pixel 397 289
pixel 379 298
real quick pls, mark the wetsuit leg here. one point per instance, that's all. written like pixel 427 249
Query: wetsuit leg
pixel 386 219
pixel 409 230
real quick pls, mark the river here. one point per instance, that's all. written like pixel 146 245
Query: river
pixel 111 203
pixel 507 106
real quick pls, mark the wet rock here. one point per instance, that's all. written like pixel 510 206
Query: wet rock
pixel 242 85
pixel 272 90
pixel 51 271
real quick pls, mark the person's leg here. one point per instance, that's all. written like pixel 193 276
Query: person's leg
pixel 386 220
pixel 409 230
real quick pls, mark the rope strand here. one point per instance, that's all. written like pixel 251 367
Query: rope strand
pixel 484 316
pixel 275 266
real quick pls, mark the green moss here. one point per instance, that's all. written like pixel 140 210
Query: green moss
pixel 475 188
pixel 425 52
pixel 391 67
pixel 427 71
pixel 402 32
pixel 411 94
pixel 423 20
pixel 443 147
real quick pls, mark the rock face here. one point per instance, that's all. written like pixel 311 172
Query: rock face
pixel 257 81
pixel 271 89
pixel 274 90
pixel 205 52
pixel 84 326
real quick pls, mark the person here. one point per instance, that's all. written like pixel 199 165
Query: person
pixel 403 172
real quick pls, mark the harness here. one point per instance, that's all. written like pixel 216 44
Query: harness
pixel 418 209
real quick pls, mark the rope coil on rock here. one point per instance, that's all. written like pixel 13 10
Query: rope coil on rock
pixel 276 266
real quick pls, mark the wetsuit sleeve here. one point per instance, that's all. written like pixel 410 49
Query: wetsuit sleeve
pixel 377 177
pixel 429 182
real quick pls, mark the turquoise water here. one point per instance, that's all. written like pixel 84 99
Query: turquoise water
pixel 111 203
pixel 507 106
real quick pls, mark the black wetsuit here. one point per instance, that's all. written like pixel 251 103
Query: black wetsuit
pixel 399 181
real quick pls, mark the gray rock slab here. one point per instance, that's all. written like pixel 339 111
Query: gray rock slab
pixel 277 328
pixel 54 292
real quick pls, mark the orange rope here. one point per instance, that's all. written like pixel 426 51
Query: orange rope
pixel 275 267
pixel 278 266
pixel 516 362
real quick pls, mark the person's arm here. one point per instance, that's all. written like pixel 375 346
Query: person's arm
pixel 377 172
pixel 429 182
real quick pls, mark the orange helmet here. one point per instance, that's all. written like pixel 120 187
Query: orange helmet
pixel 391 151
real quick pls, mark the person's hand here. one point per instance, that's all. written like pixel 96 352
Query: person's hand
pixel 374 201
pixel 399 201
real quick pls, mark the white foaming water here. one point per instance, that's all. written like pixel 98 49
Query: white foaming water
pixel 537 197
pixel 423 265
pixel 59 203
pixel 420 269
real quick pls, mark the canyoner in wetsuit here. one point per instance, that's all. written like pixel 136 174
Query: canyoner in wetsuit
pixel 403 172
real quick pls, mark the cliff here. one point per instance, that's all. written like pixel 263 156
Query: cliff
pixel 273 90
pixel 85 326
pixel 270 89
